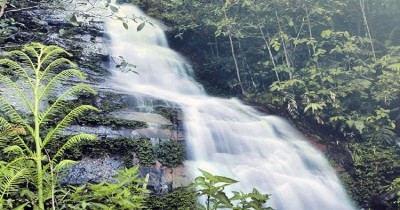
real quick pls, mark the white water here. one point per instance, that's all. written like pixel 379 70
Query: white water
pixel 224 136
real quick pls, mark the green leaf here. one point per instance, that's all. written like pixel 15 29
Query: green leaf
pixel 225 180
pixel 291 23
pixel 326 34
pixel 73 20
pixel 114 8
pixel 140 26
pixel 221 196
pixel 125 25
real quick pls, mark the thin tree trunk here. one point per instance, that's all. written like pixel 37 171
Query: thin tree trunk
pixel 211 46
pixel 235 60
pixel 284 45
pixel 270 54
pixel 236 64
pixel 3 7
pixel 362 6
pixel 312 44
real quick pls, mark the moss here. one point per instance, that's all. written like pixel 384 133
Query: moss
pixel 122 147
pixel 181 198
pixel 170 153
pixel 102 119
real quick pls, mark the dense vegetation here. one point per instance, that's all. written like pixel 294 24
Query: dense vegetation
pixel 330 63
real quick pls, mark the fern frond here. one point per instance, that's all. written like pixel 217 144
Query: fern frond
pixel 56 63
pixel 30 49
pixel 58 104
pixel 50 87
pixel 51 52
pixel 4 125
pixel 67 120
pixel 8 110
pixel 14 131
pixel 64 164
pixel 10 83
pixel 23 56
pixel 14 149
pixel 394 67
pixel 11 183
pixel 73 141
pixel 12 65
pixel 19 141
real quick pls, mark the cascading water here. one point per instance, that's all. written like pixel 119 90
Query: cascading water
pixel 224 136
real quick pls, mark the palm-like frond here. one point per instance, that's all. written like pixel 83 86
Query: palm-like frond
pixel 67 120
pixel 62 76
pixel 58 104
pixel 64 164
pixel 54 64
pixel 12 179
pixel 4 125
pixel 8 110
pixel 10 83
pixel 12 65
pixel 73 141
pixel 30 49
pixel 14 149
pixel 50 53
pixel 24 57
pixel 20 142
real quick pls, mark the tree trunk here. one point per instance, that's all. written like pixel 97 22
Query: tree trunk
pixel 270 54
pixel 235 60
pixel 362 6
pixel 3 7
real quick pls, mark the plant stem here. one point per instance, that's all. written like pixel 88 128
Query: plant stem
pixel 38 141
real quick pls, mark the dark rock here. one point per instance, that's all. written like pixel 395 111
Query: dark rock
pixel 90 170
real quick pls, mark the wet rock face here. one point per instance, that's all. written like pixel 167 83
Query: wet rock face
pixel 122 116
pixel 90 170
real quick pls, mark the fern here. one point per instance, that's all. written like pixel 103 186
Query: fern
pixel 14 66
pixel 9 111
pixel 63 165
pixel 66 121
pixel 11 180
pixel 14 149
pixel 36 64
pixel 10 83
pixel 73 141
pixel 394 67
pixel 62 76
pixel 58 104
pixel 23 56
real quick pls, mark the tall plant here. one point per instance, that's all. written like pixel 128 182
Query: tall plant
pixel 42 69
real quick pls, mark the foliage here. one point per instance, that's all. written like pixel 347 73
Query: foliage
pixel 29 161
pixel 212 188
pixel 128 192
pixel 374 165
pixel 181 198
pixel 329 61
pixel 395 187
pixel 142 148
pixel 170 153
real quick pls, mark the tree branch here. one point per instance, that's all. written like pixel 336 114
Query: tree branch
pixel 3 7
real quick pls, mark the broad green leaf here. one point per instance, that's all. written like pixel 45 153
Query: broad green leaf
pixel 114 8
pixel 140 26
pixel 125 25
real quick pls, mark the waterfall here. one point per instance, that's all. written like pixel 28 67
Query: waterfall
pixel 224 136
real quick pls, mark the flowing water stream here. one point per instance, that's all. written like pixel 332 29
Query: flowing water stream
pixel 224 136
